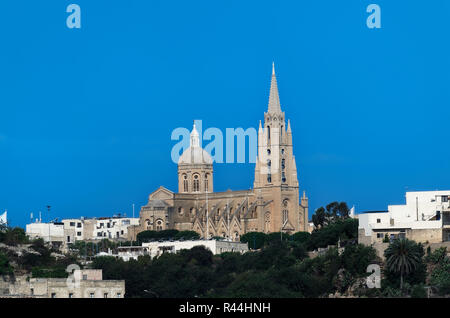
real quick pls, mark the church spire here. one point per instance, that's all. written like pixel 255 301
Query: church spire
pixel 274 99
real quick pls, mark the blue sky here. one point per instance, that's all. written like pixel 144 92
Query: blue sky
pixel 86 115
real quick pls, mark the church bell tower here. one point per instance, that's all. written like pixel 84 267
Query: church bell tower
pixel 276 171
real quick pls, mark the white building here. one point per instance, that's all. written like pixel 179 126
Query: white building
pixel 424 218
pixel 49 232
pixel 155 249
pixel 4 218
pixel 99 228
pixel 83 229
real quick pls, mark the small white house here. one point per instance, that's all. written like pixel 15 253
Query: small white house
pixel 49 232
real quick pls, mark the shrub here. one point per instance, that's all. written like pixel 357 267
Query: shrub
pixel 419 291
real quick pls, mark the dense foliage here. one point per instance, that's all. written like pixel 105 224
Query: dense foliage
pixel 279 269
pixel 13 236
pixel 440 275
pixel 147 236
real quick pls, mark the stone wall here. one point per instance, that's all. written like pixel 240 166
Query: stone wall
pixel 425 235
pixel 27 287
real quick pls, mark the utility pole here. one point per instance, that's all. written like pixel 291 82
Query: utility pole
pixel 207 218
pixel 228 219
pixel 49 237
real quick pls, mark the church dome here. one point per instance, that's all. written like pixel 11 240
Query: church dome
pixel 195 154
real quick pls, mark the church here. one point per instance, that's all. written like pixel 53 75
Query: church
pixel 273 205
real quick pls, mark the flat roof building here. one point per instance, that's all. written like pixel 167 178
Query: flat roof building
pixel 424 218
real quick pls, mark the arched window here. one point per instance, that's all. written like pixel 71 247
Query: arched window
pixel 185 183
pixel 285 216
pixel 283 177
pixel 206 183
pixel 196 183
pixel 267 222
pixel 159 225
pixel 268 134
pixel 180 211
pixel 269 178
pixel 283 164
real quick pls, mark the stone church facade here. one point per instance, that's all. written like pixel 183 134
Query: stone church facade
pixel 273 205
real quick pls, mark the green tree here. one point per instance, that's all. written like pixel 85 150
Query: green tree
pixel 255 240
pixel 403 257
pixel 13 236
pixel 440 278
pixel 5 267
pixel 302 237
pixel 187 235
pixel 320 217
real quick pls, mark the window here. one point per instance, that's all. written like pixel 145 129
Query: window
pixel 72 223
pixel 196 183
pixel 99 234
pixel 268 134
pixel 282 151
pixel 119 295
pixel 68 239
pixel 378 220
pixel 379 235
pixel 53 295
pixel 105 295
pixel 206 182
pixel 84 277
pixel 70 295
pixel 78 233
pixel 159 224
pixel 79 225
pixel 283 177
pixel 268 151
pixel 185 183
pixel 285 216
pixel 269 178
pixel 32 291
pixel 283 164
pixel 444 198
pixel 91 295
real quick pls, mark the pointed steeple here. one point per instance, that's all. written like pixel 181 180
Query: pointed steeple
pixel 289 127
pixel 274 99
